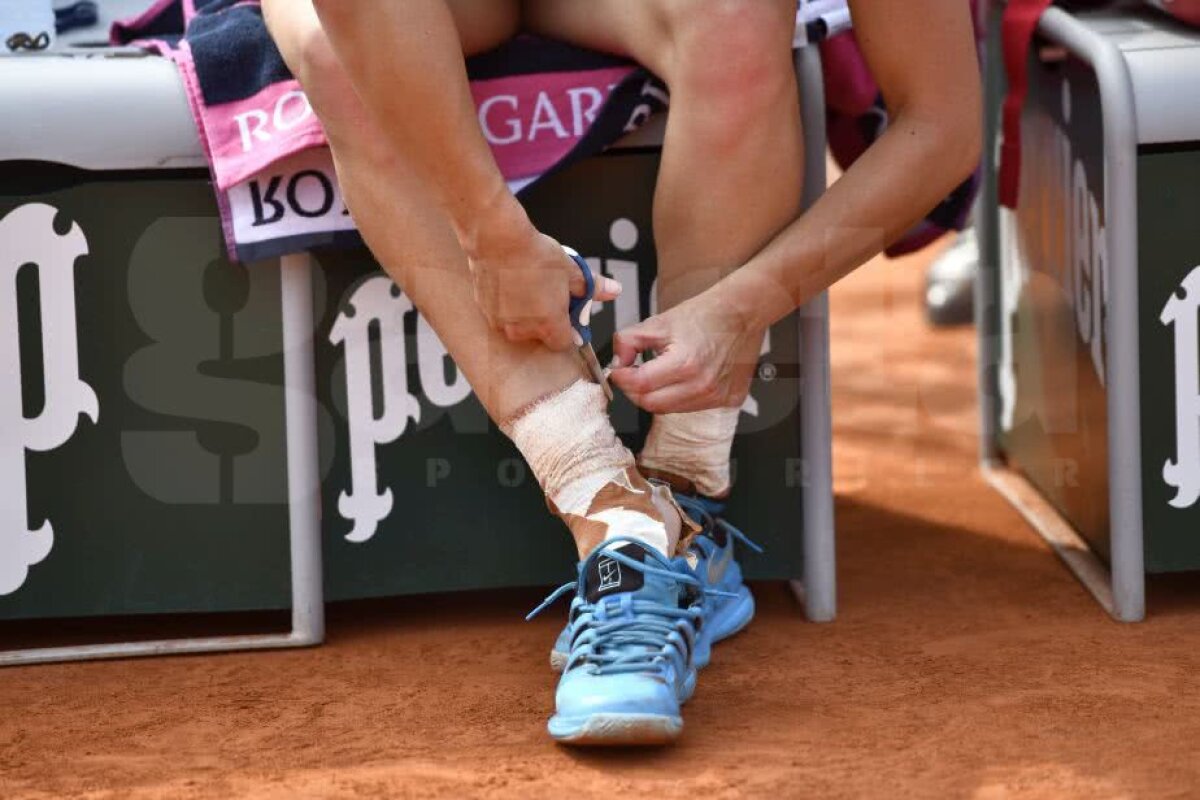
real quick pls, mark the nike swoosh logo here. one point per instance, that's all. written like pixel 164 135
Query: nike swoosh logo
pixel 717 566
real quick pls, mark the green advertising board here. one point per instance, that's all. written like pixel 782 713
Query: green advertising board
pixel 1089 334
pixel 1053 412
pixel 169 491
pixel 1169 336
pixel 454 506
pixel 146 417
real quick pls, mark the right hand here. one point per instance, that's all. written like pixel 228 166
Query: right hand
pixel 524 285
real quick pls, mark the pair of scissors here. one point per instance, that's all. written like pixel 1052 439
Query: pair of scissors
pixel 580 312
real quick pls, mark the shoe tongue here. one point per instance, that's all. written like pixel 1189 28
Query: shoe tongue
pixel 605 575
pixel 703 511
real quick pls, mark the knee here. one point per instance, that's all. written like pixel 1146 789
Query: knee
pixel 314 62
pixel 484 24
pixel 733 54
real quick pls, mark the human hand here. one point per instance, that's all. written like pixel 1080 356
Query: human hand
pixel 524 285
pixel 705 350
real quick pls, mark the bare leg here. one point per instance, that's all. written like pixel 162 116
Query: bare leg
pixel 404 61
pixel 412 238
pixel 414 241
pixel 732 160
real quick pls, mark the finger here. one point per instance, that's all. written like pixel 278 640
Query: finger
pixel 606 288
pixel 557 336
pixel 677 398
pixel 627 344
pixel 520 332
pixel 656 374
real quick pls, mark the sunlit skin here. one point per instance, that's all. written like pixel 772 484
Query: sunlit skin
pixel 922 55
pixel 429 200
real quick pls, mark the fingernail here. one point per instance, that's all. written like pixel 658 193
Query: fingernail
pixel 612 286
pixel 615 363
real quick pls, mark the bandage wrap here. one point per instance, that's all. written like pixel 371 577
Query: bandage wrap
pixel 694 446
pixel 588 475
pixel 567 437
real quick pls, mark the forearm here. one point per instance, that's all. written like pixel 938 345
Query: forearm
pixel 911 168
pixel 405 61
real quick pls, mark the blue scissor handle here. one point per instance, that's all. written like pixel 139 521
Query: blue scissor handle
pixel 579 304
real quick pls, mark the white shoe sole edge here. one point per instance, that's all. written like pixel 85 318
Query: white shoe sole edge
pixel 617 730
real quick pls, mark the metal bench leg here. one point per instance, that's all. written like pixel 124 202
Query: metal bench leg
pixel 818 591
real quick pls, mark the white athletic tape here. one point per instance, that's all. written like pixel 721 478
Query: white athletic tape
pixel 587 473
pixel 695 446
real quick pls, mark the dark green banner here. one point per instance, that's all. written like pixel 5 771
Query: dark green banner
pixel 1169 339
pixel 144 412
pixel 1053 300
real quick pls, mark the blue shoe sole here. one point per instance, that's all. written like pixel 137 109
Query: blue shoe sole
pixel 614 730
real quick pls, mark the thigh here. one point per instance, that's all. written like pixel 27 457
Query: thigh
pixel 657 33
pixel 484 24
pixel 623 27
pixel 481 24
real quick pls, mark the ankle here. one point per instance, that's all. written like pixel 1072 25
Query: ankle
pixel 691 450
pixel 589 476
pixel 625 505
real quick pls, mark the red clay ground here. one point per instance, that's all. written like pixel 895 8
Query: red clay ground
pixel 966 662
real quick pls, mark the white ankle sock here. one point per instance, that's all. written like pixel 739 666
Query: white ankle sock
pixel 588 475
pixel 693 445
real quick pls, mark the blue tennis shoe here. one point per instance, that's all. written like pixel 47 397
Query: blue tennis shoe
pixel 630 649
pixel 728 603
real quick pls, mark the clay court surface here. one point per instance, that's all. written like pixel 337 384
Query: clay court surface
pixel 966 661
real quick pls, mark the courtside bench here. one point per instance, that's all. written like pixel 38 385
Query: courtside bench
pixel 186 434
pixel 1090 299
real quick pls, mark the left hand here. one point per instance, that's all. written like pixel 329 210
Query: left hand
pixel 705 355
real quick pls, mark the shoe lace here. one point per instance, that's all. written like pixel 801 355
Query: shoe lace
pixel 632 642
pixel 703 514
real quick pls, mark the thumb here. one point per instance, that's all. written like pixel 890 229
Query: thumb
pixel 606 288
pixel 646 335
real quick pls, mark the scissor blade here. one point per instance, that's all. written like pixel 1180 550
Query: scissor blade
pixel 593 365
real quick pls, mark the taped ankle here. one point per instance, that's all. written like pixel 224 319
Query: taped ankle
pixel 567 438
pixel 694 446
pixel 588 475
